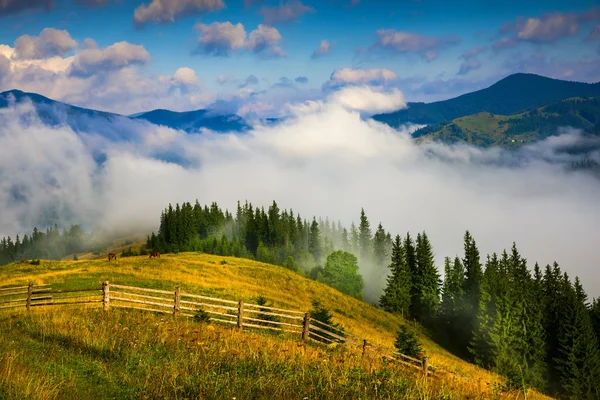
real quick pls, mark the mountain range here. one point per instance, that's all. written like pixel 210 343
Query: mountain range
pixel 519 109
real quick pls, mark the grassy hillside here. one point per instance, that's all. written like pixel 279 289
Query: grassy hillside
pixel 129 354
pixel 513 94
pixel 487 129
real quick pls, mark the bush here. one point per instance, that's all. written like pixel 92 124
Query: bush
pixel 262 301
pixel 320 313
pixel 202 316
pixel 34 262
pixel 407 342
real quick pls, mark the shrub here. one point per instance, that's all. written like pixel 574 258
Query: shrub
pixel 407 342
pixel 202 316
pixel 320 313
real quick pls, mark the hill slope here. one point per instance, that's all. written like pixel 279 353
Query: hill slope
pixel 513 94
pixel 487 129
pixel 128 355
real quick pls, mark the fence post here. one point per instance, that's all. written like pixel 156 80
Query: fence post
pixel 240 322
pixel 364 352
pixel 425 366
pixel 177 301
pixel 105 295
pixel 29 293
pixel 305 326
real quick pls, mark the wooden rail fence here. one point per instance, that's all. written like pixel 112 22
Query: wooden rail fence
pixel 238 313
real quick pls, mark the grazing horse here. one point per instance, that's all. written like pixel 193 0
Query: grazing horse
pixel 112 256
pixel 155 254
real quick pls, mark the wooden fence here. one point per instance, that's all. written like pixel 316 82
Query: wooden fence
pixel 238 313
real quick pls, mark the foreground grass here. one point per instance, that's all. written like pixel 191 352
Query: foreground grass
pixel 61 353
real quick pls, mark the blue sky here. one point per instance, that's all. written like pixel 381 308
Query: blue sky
pixel 423 42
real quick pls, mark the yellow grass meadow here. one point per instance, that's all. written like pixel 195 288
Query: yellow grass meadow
pixel 74 352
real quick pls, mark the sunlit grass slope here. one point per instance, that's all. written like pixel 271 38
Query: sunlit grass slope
pixel 65 353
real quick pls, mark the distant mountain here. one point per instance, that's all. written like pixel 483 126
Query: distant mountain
pixel 487 129
pixel 193 121
pixel 80 119
pixel 514 94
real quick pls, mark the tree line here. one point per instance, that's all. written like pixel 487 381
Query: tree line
pixel 52 244
pixel 536 327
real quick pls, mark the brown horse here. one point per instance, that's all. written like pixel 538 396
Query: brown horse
pixel 112 256
pixel 155 254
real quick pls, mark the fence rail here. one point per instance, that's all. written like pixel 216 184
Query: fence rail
pixel 243 315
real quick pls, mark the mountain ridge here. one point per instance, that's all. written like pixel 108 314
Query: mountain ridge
pixel 525 91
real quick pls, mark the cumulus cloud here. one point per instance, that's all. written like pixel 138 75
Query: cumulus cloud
pixel 264 41
pixel 8 7
pixel 326 151
pixel 351 76
pixel 220 38
pixel 324 48
pixel 168 11
pixel 50 42
pixel 301 79
pixel 93 61
pixel 285 12
pixel 469 66
pixel 106 79
pixel 547 28
pixel 402 42
pixel 368 100
pixel 186 76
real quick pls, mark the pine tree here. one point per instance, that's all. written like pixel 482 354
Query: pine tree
pixel 451 321
pixel 578 362
pixel 396 295
pixel 426 282
pixel 380 246
pixel 314 242
pixel 407 342
pixel 365 239
pixel 472 265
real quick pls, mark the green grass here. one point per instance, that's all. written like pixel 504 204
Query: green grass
pixel 68 352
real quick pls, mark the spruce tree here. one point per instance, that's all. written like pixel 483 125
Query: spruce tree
pixel 450 324
pixel 314 241
pixel 365 238
pixel 473 273
pixel 426 282
pixel 396 295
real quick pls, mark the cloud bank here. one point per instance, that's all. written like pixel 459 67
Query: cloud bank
pixel 324 160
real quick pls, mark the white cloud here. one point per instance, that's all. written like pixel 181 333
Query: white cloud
pixel 324 160
pixel 93 61
pixel 50 42
pixel 219 38
pixel 186 76
pixel 264 40
pixel 403 42
pixel 285 12
pixel 168 11
pixel 368 99
pixel 351 76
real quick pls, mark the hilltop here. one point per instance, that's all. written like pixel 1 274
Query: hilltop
pixel 487 129
pixel 514 94
pixel 126 354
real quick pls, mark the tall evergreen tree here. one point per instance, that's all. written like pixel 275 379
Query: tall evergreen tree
pixel 314 241
pixel 451 321
pixel 396 295
pixel 365 237
pixel 426 282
